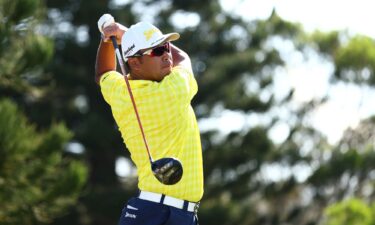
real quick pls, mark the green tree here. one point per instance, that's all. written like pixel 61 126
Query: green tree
pixel 347 170
pixel 350 212
pixel 23 52
pixel 38 182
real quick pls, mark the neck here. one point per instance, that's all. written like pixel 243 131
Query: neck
pixel 134 76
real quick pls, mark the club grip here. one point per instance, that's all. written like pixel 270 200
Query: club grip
pixel 114 41
pixel 118 54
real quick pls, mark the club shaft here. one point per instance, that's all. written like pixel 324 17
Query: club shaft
pixel 124 73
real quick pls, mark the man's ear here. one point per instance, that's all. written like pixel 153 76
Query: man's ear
pixel 134 63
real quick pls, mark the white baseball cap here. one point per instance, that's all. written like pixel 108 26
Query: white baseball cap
pixel 141 36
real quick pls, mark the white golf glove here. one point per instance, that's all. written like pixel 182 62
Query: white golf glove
pixel 105 21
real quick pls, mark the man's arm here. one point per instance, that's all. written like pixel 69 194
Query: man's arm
pixel 180 58
pixel 105 57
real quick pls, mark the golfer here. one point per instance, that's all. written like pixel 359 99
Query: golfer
pixel 163 85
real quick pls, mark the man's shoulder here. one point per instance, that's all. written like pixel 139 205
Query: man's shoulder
pixel 179 73
pixel 110 75
pixel 181 69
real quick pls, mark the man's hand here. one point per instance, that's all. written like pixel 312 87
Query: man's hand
pixel 114 29
pixel 108 27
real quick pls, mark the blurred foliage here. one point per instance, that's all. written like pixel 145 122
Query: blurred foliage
pixel 37 183
pixel 350 212
pixel 362 138
pixel 355 60
pixel 249 177
pixel 23 53
pixel 327 43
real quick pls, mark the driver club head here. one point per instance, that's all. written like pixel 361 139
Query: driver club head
pixel 167 170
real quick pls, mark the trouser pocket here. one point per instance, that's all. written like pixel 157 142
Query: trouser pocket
pixel 141 212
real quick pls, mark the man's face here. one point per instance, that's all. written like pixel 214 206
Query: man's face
pixel 156 63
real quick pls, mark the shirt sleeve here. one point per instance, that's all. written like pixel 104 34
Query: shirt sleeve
pixel 185 79
pixel 108 83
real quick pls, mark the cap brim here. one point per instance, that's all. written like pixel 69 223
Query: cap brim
pixel 166 38
pixel 172 37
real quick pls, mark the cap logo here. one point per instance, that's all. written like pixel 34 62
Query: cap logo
pixel 129 49
pixel 148 33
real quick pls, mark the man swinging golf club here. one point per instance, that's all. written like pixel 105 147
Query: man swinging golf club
pixel 151 106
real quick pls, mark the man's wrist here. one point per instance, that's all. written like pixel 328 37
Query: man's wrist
pixel 108 40
pixel 104 39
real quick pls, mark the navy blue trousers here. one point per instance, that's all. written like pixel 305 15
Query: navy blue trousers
pixel 143 212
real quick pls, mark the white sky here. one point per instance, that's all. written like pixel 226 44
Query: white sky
pixel 348 103
pixel 356 15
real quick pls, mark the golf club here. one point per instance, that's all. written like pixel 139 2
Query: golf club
pixel 167 170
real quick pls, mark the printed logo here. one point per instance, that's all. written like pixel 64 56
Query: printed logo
pixel 131 207
pixel 105 77
pixel 130 215
pixel 129 49
pixel 148 33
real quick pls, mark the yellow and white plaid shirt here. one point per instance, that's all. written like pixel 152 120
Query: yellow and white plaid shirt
pixel 169 124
